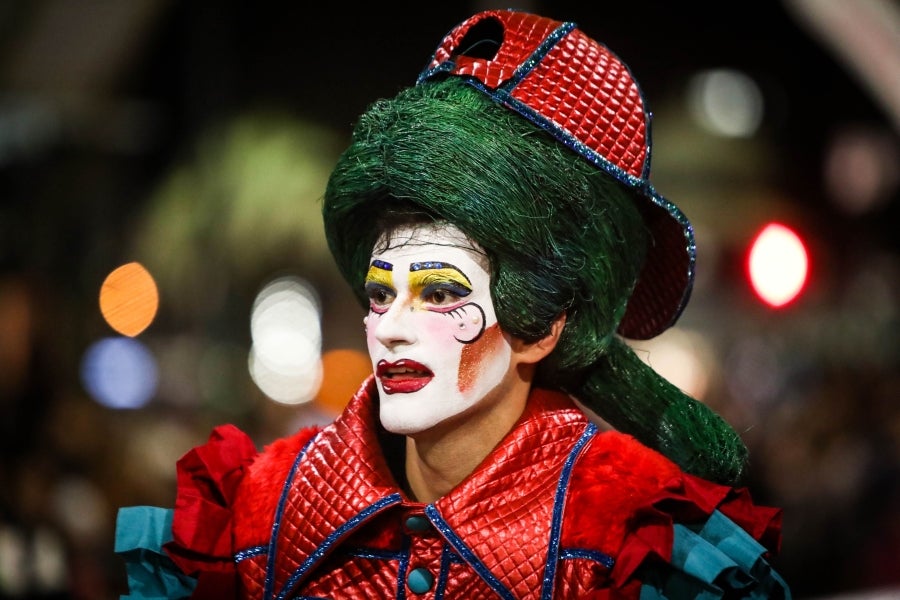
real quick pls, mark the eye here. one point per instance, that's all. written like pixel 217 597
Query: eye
pixel 444 294
pixel 441 297
pixel 380 297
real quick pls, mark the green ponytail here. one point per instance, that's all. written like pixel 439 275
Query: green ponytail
pixel 632 397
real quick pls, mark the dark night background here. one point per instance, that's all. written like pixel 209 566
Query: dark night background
pixel 104 103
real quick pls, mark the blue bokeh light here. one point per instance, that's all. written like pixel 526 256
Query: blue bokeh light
pixel 120 372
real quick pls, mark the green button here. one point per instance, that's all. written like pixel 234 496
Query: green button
pixel 417 523
pixel 420 580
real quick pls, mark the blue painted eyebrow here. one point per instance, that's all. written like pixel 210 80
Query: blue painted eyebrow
pixel 380 264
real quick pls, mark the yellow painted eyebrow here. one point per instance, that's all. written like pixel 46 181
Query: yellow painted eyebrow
pixel 436 265
pixel 422 275
pixel 380 272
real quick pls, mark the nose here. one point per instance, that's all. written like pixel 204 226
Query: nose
pixel 395 327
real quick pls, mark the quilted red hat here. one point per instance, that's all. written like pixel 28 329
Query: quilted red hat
pixel 557 77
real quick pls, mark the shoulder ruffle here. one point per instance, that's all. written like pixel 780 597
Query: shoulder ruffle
pixel 262 486
pixel 208 478
pixel 189 552
pixel 141 532
pixel 714 559
pixel 695 514
pixel 672 530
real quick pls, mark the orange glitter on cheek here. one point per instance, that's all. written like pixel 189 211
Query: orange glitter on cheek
pixel 472 360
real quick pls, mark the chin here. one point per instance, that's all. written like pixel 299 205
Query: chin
pixel 399 417
pixel 402 426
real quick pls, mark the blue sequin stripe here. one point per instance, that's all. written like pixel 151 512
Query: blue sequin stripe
pixel 373 553
pixel 447 557
pixel 250 553
pixel 537 56
pixel 558 503
pixel 401 556
pixel 460 547
pixel 279 512
pixel 642 185
pixel 502 96
pixel 682 219
pixel 404 568
pixel 521 71
pixel 444 67
pixel 505 91
pixel 429 265
pixel 326 546
pixel 604 559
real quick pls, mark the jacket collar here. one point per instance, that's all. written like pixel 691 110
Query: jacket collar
pixel 343 479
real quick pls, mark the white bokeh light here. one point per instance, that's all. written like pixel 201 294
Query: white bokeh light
pixel 726 102
pixel 286 329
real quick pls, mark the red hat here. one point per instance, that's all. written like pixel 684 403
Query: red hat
pixel 554 75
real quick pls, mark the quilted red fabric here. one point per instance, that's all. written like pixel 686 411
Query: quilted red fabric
pixel 579 85
pixel 556 509
pixel 343 474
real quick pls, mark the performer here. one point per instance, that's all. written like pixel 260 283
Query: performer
pixel 498 224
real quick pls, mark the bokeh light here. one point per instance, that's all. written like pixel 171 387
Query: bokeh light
pixel 286 330
pixel 682 357
pixel 726 102
pixel 343 372
pixel 13 562
pixel 80 505
pixel 119 372
pixel 36 559
pixel 860 170
pixel 152 449
pixel 778 265
pixel 129 299
pixel 754 370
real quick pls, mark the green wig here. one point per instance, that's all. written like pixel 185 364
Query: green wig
pixel 561 236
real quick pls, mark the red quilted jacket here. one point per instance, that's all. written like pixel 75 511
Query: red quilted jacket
pixel 558 510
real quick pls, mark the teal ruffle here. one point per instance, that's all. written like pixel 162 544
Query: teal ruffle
pixel 141 532
pixel 712 560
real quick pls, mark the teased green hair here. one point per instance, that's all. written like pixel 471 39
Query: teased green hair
pixel 561 236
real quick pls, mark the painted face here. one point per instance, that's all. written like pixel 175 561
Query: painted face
pixel 432 333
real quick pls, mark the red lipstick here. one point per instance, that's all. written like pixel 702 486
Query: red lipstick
pixel 403 376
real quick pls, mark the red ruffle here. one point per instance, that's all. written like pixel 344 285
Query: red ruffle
pixel 693 500
pixel 763 523
pixel 637 495
pixel 208 478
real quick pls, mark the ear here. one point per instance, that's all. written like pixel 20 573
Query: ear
pixel 534 352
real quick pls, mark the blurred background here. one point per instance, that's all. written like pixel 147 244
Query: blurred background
pixel 163 268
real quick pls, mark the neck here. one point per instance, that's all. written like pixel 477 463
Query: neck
pixel 439 459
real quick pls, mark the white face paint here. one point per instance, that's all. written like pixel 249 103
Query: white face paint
pixel 432 333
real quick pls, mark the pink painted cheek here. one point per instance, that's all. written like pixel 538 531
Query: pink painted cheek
pixel 372 322
pixel 437 328
pixel 431 327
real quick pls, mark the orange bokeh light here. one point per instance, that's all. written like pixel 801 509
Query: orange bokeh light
pixel 342 373
pixel 129 299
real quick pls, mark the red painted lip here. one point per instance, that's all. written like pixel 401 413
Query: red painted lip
pixel 403 376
